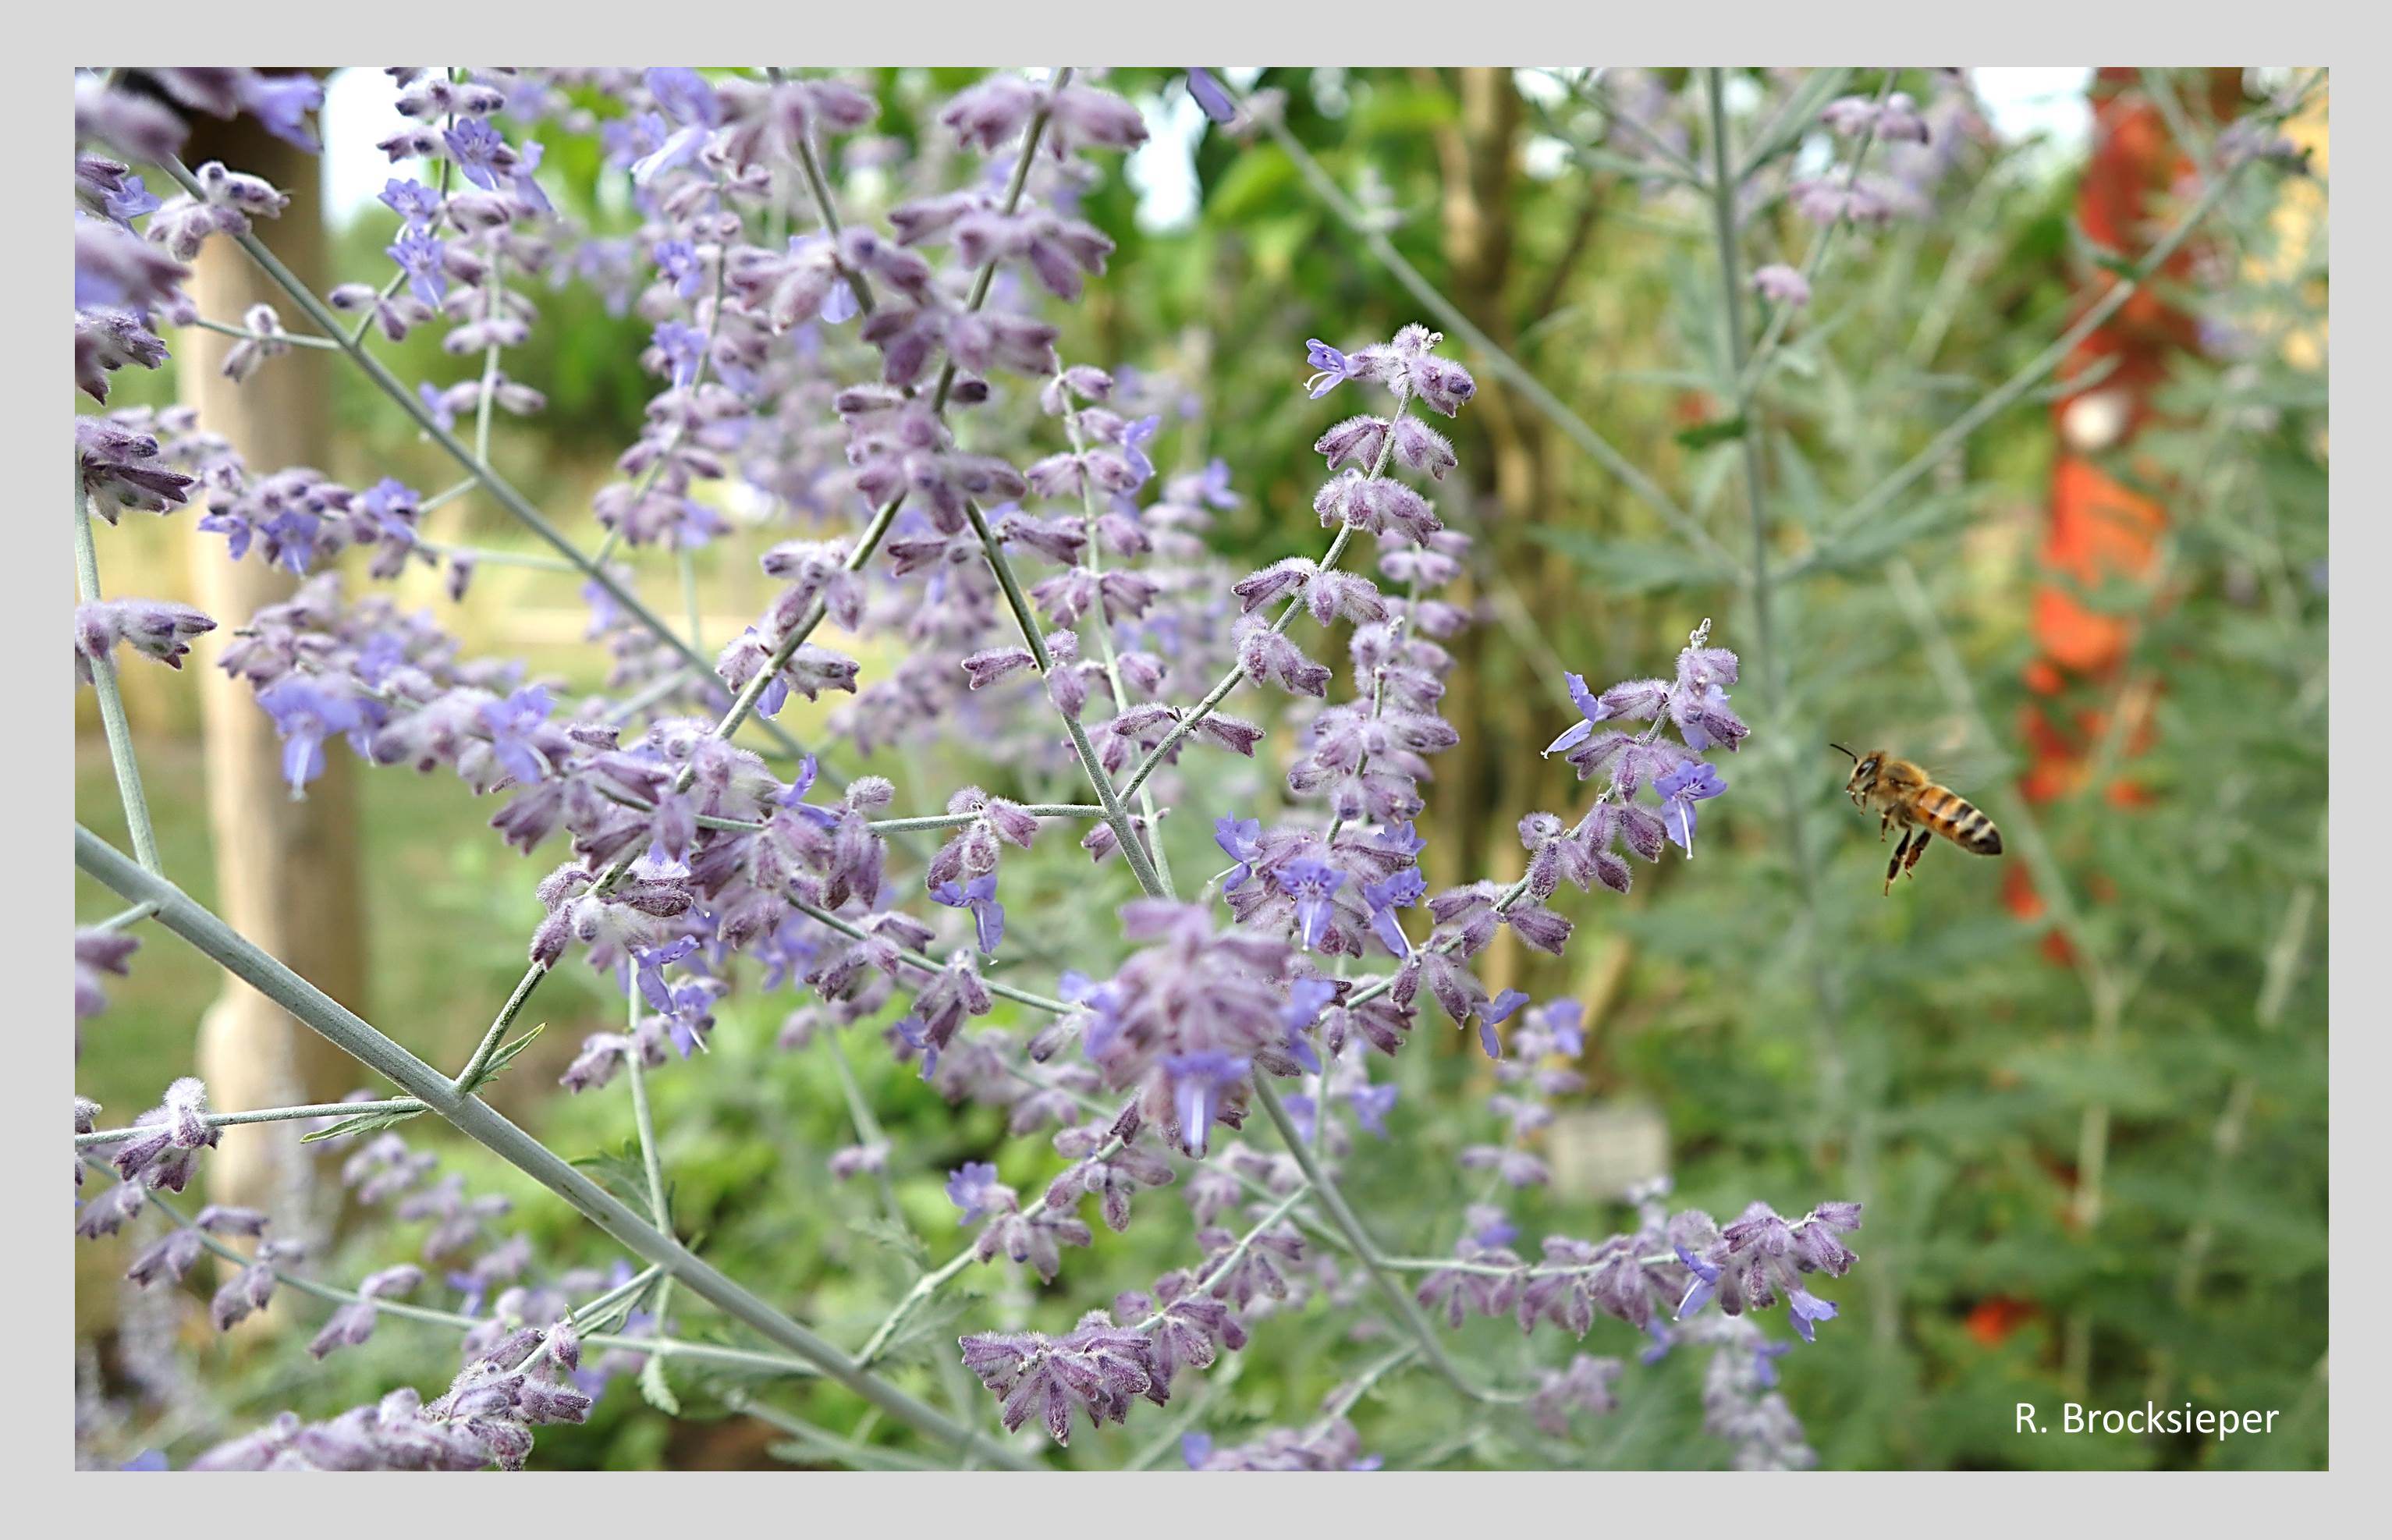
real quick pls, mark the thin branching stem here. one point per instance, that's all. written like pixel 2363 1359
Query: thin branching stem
pixel 114 725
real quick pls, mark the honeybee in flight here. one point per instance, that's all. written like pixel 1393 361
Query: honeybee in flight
pixel 1907 798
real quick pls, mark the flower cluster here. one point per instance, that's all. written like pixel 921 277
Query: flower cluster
pixel 883 393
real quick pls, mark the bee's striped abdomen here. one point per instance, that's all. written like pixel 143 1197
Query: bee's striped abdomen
pixel 1960 821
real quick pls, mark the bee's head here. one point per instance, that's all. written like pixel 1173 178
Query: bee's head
pixel 1865 767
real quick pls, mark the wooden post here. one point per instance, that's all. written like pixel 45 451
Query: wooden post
pixel 285 870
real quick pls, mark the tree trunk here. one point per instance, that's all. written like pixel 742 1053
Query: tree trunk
pixel 285 870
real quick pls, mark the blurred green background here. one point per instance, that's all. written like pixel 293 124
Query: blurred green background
pixel 1783 1032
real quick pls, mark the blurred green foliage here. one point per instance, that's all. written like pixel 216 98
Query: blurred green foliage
pixel 1804 1038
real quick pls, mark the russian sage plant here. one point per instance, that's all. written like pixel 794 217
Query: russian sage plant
pixel 989 515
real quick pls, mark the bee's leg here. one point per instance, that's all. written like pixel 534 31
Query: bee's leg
pixel 1918 849
pixel 1885 822
pixel 1893 867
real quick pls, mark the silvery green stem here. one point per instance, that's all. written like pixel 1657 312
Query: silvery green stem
pixel 264 1115
pixel 1407 1309
pixel 112 722
pixel 487 399
pixel 652 1375
pixel 491 556
pixel 293 338
pixel 1111 658
pixel 868 1126
pixel 321 1014
pixel 689 598
pixel 957 820
pixel 1237 1253
pixel 1356 1389
pixel 123 917
pixel 499 1024
pixel 1827 987
pixel 504 491
pixel 810 161
pixel 643 1118
pixel 1124 831
pixel 928 964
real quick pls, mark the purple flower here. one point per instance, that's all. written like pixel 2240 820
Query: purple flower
pixel 1209 96
pixel 525 187
pixel 1135 437
pixel 1237 837
pixel 683 347
pixel 1333 367
pixel 1372 1103
pixel 979 894
pixel 974 1187
pixel 281 103
pixel 1694 781
pixel 650 964
pixel 479 152
pixel 511 723
pixel 1590 708
pixel 420 256
pixel 677 260
pixel 1305 1000
pixel 415 202
pixel 685 94
pixel 305 715
pixel 1199 1083
pixel 1400 891
pixel 1807 1309
pixel 1493 1015
pixel 1313 884
pixel 1782 285
pixel 1706 1283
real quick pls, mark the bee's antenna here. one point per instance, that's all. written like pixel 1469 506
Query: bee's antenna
pixel 1846 753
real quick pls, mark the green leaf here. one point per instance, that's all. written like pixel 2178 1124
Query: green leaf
pixel 620 1171
pixel 503 1055
pixel 372 1122
pixel 657 1391
pixel 930 1326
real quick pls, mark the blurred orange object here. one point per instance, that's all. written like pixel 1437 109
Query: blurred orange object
pixel 2099 530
